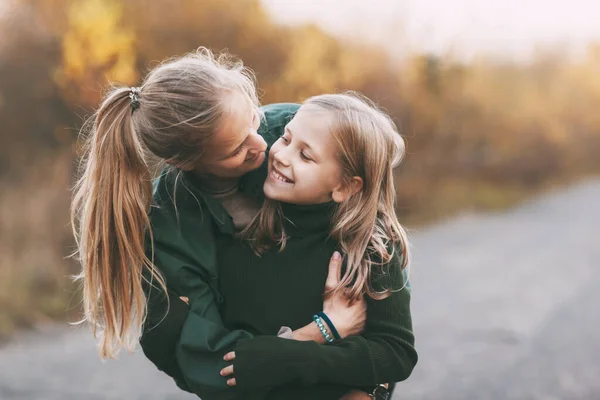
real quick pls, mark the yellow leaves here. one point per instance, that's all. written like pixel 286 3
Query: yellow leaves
pixel 97 47
pixel 450 110
pixel 318 64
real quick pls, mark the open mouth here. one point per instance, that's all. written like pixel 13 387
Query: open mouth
pixel 280 177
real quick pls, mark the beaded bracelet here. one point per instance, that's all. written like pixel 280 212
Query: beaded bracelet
pixel 331 326
pixel 322 328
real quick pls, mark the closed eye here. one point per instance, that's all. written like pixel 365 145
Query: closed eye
pixel 238 151
pixel 304 156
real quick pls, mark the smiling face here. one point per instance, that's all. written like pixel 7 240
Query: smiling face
pixel 236 147
pixel 304 164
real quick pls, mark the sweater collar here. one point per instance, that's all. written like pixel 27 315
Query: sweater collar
pixel 304 220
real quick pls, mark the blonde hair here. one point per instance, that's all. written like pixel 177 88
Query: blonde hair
pixel 180 105
pixel 365 225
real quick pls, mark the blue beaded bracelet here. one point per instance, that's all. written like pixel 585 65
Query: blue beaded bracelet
pixel 331 326
pixel 322 328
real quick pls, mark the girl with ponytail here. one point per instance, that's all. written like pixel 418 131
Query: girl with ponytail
pixel 144 243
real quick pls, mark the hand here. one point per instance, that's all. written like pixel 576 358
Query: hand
pixel 228 371
pixel 348 317
pixel 186 300
pixel 356 395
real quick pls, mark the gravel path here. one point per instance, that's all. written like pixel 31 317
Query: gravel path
pixel 505 307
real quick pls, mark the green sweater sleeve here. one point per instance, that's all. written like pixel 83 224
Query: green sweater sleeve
pixel 189 346
pixel 186 344
pixel 383 353
pixel 203 342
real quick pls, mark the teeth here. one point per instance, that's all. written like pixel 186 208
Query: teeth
pixel 280 177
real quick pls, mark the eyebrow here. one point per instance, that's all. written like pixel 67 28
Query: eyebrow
pixel 301 141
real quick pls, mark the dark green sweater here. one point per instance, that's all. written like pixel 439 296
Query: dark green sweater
pixel 285 288
pixel 188 344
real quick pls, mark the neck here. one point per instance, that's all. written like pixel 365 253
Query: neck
pixel 302 220
pixel 217 186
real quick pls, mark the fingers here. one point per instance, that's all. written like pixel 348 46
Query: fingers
pixel 185 299
pixel 227 371
pixel 356 395
pixel 335 271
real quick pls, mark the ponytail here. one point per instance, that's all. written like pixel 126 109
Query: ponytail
pixel 110 220
pixel 172 118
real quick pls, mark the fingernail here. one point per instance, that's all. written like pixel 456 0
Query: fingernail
pixel 221 373
pixel 336 255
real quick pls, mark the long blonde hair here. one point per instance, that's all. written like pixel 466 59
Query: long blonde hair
pixel 176 112
pixel 365 225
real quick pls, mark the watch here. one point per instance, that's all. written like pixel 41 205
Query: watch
pixel 380 393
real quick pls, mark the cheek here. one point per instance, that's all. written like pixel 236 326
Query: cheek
pixel 324 177
pixel 230 163
pixel 275 148
pixel 313 177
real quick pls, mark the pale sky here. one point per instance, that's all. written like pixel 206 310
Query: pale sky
pixel 502 27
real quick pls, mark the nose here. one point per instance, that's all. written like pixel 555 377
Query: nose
pixel 256 144
pixel 281 157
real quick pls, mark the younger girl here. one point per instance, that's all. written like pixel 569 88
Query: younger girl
pixel 330 187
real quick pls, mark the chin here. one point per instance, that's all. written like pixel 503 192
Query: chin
pixel 270 193
pixel 273 193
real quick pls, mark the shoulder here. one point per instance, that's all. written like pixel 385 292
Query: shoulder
pixel 174 188
pixel 390 275
pixel 181 228
pixel 176 202
pixel 275 118
pixel 278 114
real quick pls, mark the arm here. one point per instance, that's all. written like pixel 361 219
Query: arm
pixel 384 353
pixel 161 332
pixel 182 342
pixel 188 345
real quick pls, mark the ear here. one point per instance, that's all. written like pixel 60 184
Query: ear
pixel 345 191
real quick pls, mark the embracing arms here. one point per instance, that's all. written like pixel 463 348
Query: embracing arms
pixel 189 344
pixel 383 353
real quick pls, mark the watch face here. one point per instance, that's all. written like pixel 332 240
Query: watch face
pixel 381 393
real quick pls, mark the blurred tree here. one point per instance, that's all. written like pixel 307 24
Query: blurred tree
pixel 478 132
pixel 32 114
pixel 96 48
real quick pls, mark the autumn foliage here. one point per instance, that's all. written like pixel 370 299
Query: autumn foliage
pixel 479 134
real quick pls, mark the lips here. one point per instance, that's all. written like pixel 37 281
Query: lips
pixel 280 177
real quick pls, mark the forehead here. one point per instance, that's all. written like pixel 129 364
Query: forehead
pixel 312 126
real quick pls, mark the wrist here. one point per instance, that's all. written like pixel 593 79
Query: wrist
pixel 308 333
pixel 330 325
pixel 327 335
pixel 380 392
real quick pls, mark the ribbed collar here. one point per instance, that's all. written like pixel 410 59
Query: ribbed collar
pixel 305 220
pixel 218 187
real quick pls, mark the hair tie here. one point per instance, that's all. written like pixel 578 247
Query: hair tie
pixel 134 96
